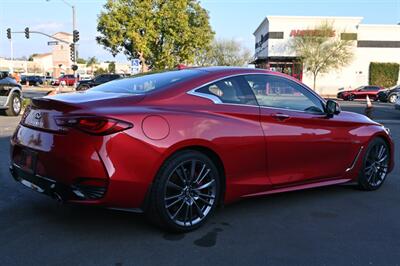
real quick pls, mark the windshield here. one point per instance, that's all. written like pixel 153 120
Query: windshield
pixel 141 84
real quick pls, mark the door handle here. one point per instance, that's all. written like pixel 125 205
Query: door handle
pixel 281 117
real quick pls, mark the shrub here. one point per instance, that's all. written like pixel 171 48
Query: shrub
pixel 383 74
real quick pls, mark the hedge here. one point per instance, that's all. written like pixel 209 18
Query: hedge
pixel 383 74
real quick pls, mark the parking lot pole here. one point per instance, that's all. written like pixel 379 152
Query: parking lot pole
pixel 11 56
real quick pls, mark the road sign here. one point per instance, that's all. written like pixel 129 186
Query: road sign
pixel 135 66
pixel 52 43
pixel 135 62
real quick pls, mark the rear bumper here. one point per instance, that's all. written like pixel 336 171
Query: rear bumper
pixel 44 185
pixel 91 170
pixel 61 192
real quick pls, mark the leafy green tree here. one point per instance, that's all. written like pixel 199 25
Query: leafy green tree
pixel 31 57
pixel 81 61
pixel 91 62
pixel 161 33
pixel 321 51
pixel 99 71
pixel 111 67
pixel 224 52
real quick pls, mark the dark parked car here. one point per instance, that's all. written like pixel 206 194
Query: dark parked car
pixel 33 80
pixel 10 95
pixel 100 79
pixel 389 95
pixel 178 144
pixel 360 93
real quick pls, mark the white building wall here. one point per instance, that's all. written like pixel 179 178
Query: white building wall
pixel 353 75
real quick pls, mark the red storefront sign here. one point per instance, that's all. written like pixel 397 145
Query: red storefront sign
pixel 295 33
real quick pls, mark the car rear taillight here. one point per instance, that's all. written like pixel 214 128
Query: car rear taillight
pixel 93 124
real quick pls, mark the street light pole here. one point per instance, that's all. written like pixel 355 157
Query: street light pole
pixel 12 56
pixel 73 28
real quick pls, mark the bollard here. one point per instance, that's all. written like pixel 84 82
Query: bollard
pixel 368 108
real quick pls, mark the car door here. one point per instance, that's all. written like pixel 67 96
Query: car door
pixel 372 91
pixel 302 143
pixel 360 93
pixel 243 144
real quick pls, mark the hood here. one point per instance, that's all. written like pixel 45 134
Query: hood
pixel 357 118
pixel 7 81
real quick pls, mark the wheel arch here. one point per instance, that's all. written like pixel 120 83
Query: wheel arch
pixel 389 142
pixel 207 150
pixel 16 90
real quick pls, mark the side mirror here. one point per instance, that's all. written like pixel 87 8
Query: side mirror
pixel 332 108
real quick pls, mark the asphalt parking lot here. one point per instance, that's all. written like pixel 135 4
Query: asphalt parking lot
pixel 336 225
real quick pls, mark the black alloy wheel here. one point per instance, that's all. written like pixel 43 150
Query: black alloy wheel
pixel 375 165
pixel 185 192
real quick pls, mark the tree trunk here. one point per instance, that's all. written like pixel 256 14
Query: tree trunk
pixel 145 67
pixel 315 81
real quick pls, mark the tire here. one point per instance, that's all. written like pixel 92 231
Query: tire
pixel 82 88
pixel 14 106
pixel 350 97
pixel 182 200
pixel 375 165
pixel 392 98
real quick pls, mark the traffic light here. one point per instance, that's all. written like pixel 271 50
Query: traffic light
pixel 9 33
pixel 27 32
pixel 72 52
pixel 75 35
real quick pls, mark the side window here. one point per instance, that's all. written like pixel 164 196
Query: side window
pixel 233 90
pixel 101 78
pixel 278 92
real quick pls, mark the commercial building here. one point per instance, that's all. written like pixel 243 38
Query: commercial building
pixel 372 43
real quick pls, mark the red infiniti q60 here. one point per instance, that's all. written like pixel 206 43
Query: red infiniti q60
pixel 177 144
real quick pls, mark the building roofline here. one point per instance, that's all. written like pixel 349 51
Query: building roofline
pixel 380 25
pixel 307 17
pixel 62 32
pixel 42 55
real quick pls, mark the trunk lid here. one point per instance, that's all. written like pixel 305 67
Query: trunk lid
pixel 43 111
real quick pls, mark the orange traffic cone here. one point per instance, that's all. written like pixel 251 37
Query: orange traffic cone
pixel 368 108
pixel 369 104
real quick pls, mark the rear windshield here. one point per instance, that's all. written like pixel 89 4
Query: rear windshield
pixel 141 84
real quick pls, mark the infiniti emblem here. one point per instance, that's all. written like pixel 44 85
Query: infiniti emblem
pixel 38 116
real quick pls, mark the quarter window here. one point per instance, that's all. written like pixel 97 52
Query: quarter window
pixel 278 92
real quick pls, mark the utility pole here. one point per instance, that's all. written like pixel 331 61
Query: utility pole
pixel 12 56
pixel 11 49
pixel 73 30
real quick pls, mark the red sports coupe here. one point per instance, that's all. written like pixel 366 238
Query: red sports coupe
pixel 361 93
pixel 177 144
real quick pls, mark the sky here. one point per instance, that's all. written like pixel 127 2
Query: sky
pixel 234 19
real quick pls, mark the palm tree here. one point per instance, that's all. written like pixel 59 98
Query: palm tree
pixel 91 62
